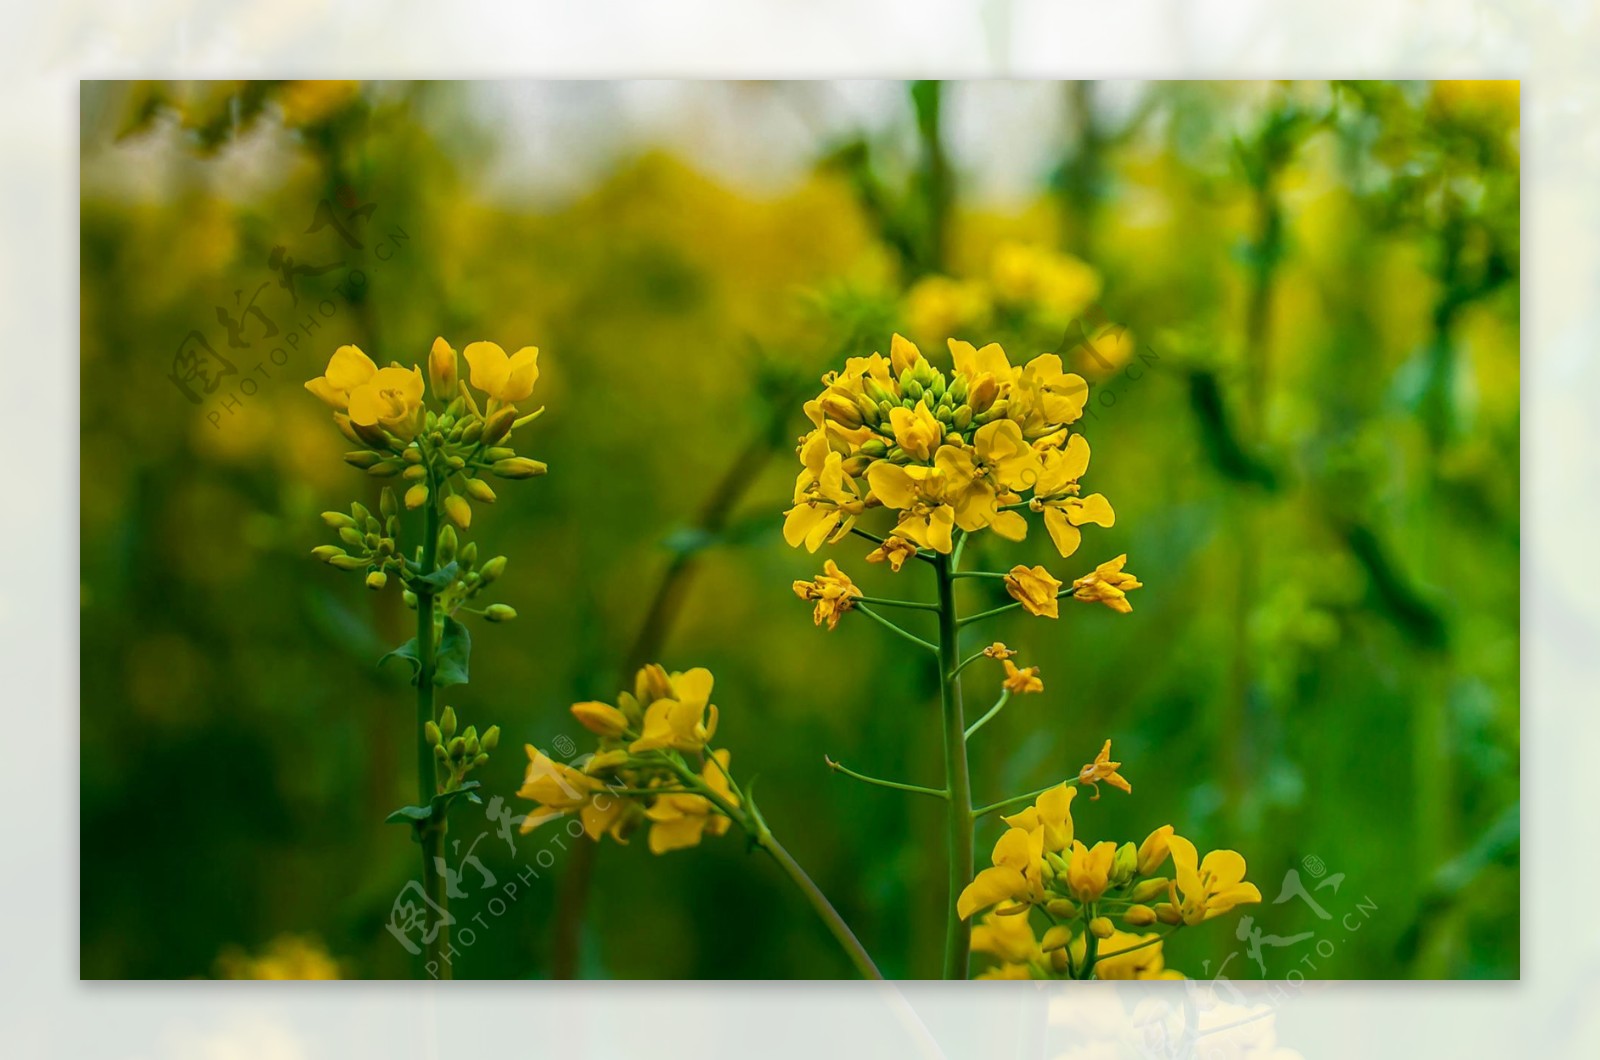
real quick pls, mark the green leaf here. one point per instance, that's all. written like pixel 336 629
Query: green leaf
pixel 440 579
pixel 408 652
pixel 450 668
pixel 440 803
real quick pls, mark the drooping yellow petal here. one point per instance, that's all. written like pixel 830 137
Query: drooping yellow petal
pixel 989 887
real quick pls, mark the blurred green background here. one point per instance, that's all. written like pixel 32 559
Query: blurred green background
pixel 1312 447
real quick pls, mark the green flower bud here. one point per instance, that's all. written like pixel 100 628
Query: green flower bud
pixel 338 520
pixel 1061 908
pixel 412 455
pixel 457 746
pixel 410 599
pixel 447 721
pixel 913 390
pixel 961 418
pixel 1139 916
pixel 519 467
pixel 344 562
pixel 492 569
pixel 472 431
pixel 430 729
pixel 491 738
pixel 480 490
pixel 500 613
pixel 1125 865
pixel 326 553
pixel 440 753
pixel 481 759
pixel 415 473
pixel 362 458
pixel 468 555
pixel 377 580
pixel 350 536
pixel 447 545
pixel 385 469
pixel 499 425
pixel 1101 927
pixel 499 452
pixel 1148 889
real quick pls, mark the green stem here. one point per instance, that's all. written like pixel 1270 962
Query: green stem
pixel 957 780
pixel 912 637
pixel 430 833
pixel 1005 697
pixel 916 789
pixel 883 602
pixel 819 903
pixel 1017 800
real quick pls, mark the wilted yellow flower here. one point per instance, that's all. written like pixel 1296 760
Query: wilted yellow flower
pixel 895 550
pixel 1021 682
pixel 1211 887
pixel 1102 768
pixel 679 821
pixel 507 379
pixel 1107 584
pixel 833 591
pixel 1035 589
pixel 685 719
pixel 998 651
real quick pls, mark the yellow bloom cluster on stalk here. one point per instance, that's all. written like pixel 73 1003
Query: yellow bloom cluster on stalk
pixel 1082 892
pixel 652 766
pixel 945 451
pixel 441 439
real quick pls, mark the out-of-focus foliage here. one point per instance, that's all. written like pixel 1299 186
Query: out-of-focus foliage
pixel 1310 428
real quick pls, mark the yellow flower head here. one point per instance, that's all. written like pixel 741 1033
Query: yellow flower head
pixel 1210 887
pixel 1021 682
pixel 678 820
pixel 1055 494
pixel 347 369
pixel 998 651
pixel 833 592
pixel 1107 584
pixel 684 719
pixel 391 398
pixel 506 379
pixel 1035 589
pixel 1089 870
pixel 1051 813
pixel 1102 768
pixel 944 450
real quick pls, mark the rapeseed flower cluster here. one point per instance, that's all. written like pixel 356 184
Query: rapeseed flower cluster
pixel 1083 891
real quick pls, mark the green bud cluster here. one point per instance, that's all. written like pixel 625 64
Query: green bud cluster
pixel 459 754
pixel 366 541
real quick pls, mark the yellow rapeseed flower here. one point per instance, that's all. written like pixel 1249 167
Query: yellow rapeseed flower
pixel 390 397
pixel 680 820
pixel 1035 589
pixel 1056 496
pixel 833 592
pixel 1102 768
pixel 1050 813
pixel 1089 870
pixel 1021 682
pixel 347 369
pixel 507 379
pixel 443 370
pixel 1208 888
pixel 683 720
pixel 1107 584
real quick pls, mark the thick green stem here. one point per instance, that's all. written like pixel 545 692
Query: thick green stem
pixel 956 779
pixel 430 833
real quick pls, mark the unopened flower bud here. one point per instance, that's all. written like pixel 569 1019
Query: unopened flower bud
pixel 491 738
pixel 442 369
pixel 350 536
pixel 337 520
pixel 499 425
pixel 344 562
pixel 459 511
pixel 1124 865
pixel 480 759
pixel 326 552
pixel 377 580
pixel 430 729
pixel 480 490
pixel 519 467
pixel 1061 908
pixel 1139 916
pixel 1101 927
pixel 446 552
pixel 416 496
pixel 1148 889
pixel 1168 913
pixel 447 721
pixel 387 504
pixel 415 473
pixel 457 746
pixel 492 570
pixel 500 613
pixel 362 458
